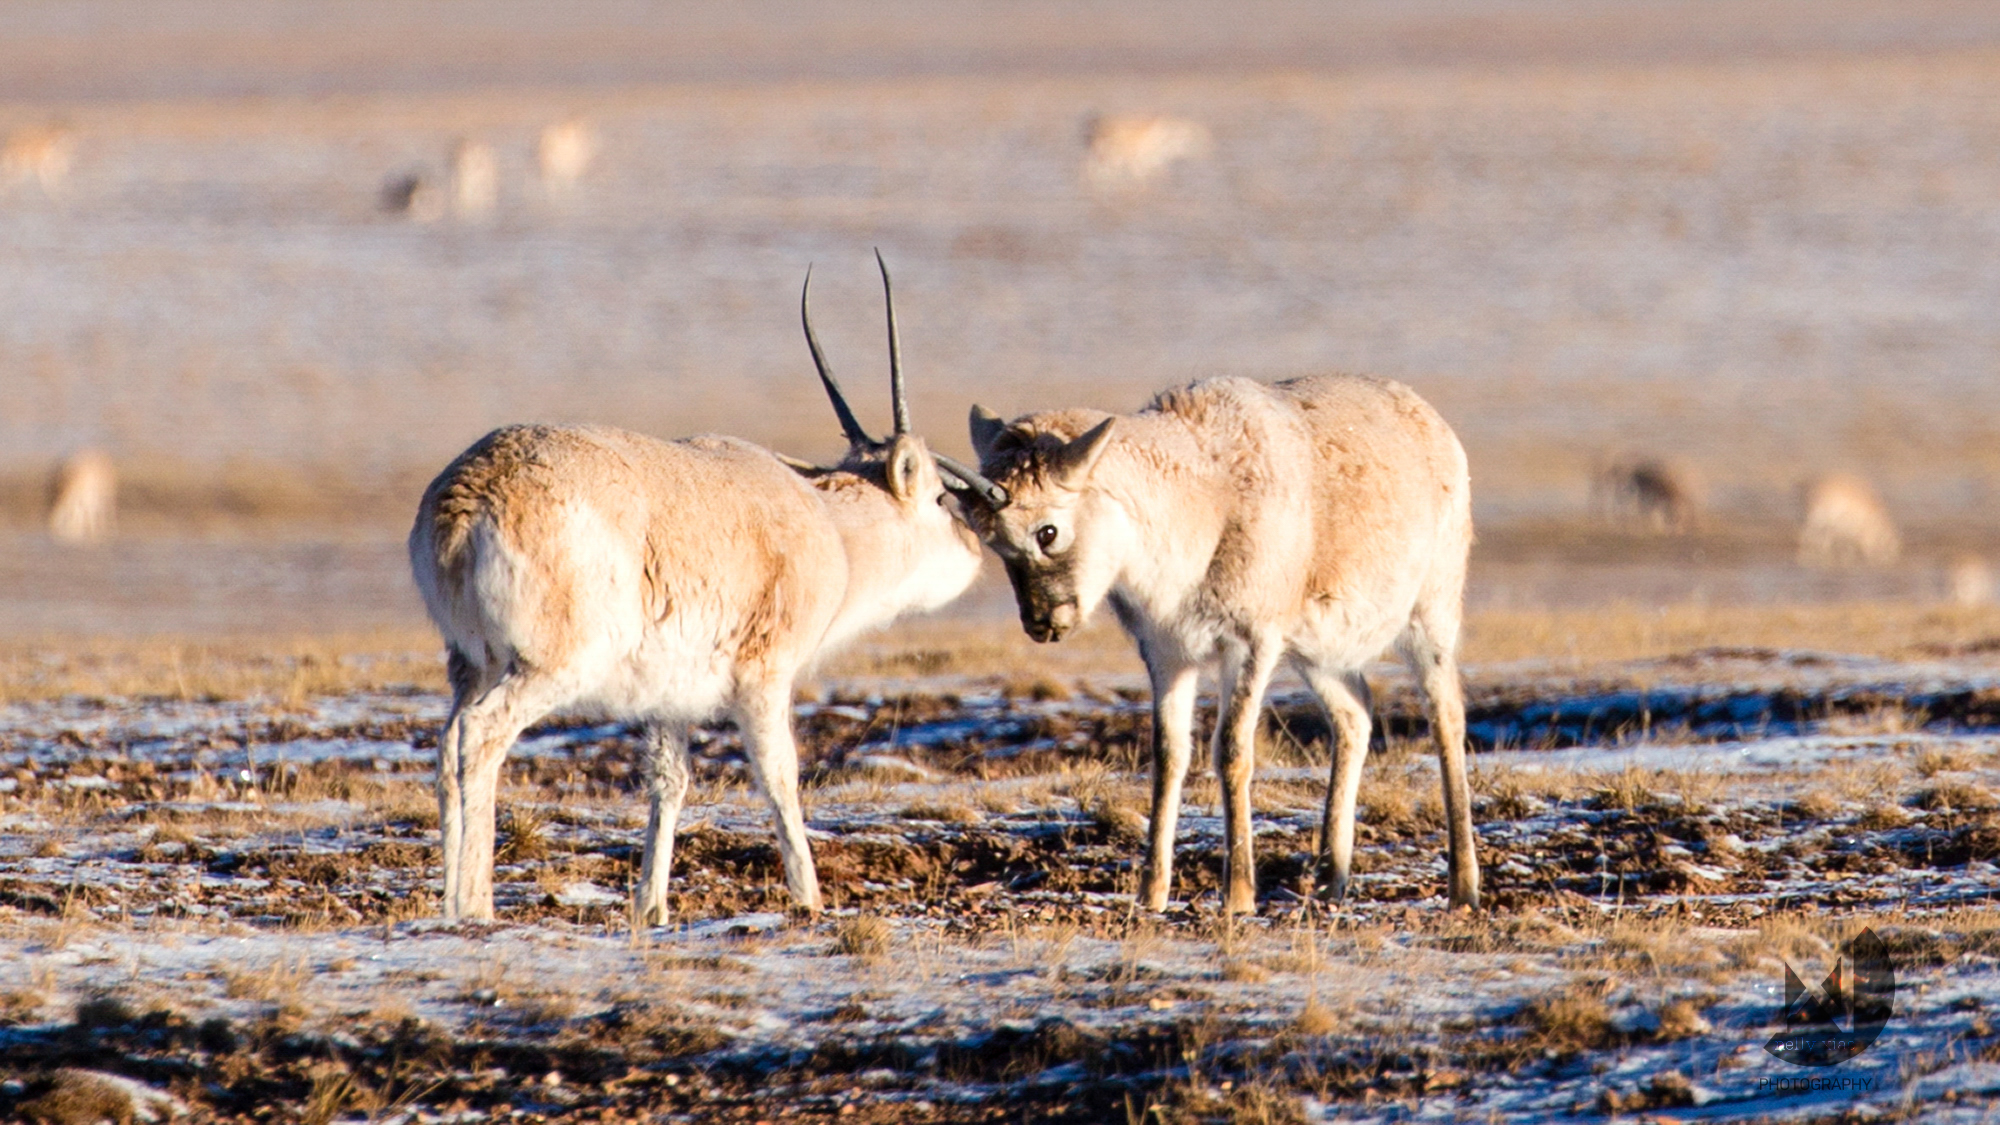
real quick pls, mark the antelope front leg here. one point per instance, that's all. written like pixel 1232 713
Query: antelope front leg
pixel 667 775
pixel 1173 748
pixel 1245 676
pixel 766 719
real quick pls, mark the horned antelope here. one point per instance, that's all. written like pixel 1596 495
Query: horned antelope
pixel 83 498
pixel 671 581
pixel 41 154
pixel 563 152
pixel 1230 523
pixel 1659 496
pixel 1130 151
pixel 1846 524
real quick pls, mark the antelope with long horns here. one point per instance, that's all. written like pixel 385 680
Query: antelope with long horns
pixel 1240 525
pixel 585 567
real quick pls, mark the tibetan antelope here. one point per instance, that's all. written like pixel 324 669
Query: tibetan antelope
pixel 1846 524
pixel 475 180
pixel 671 581
pixel 41 154
pixel 1968 581
pixel 1130 151
pixel 1231 523
pixel 563 153
pixel 83 498
pixel 1659 496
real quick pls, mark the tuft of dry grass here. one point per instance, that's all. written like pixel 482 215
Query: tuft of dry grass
pixel 1315 1020
pixel 866 936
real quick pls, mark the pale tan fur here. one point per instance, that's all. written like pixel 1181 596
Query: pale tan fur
pixel 475 180
pixel 1969 581
pixel 83 498
pixel 564 151
pixel 1846 524
pixel 41 154
pixel 585 567
pixel 1130 151
pixel 1231 523
pixel 1647 492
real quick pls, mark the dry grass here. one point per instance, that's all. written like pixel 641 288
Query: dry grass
pixel 291 669
pixel 1619 633
pixel 866 936
pixel 285 669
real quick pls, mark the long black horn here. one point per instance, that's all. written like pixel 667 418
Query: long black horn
pixel 993 495
pixel 848 425
pixel 897 398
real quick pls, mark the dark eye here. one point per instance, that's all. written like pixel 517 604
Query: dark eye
pixel 1045 535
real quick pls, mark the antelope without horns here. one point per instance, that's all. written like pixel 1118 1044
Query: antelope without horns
pixel 1240 525
pixel 585 567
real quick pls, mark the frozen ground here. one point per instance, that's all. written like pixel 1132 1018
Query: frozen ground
pixel 232 902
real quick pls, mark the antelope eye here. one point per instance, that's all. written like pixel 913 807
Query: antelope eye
pixel 1045 535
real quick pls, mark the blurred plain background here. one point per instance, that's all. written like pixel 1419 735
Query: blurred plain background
pixel 280 261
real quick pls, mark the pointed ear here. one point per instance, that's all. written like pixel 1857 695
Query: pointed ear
pixel 905 467
pixel 986 429
pixel 1071 465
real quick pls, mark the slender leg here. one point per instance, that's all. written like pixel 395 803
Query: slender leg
pixel 1174 686
pixel 667 776
pixel 1436 666
pixel 1345 697
pixel 451 821
pixel 765 714
pixel 488 727
pixel 1245 675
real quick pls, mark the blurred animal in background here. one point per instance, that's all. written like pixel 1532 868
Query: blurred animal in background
pixel 1846 524
pixel 563 153
pixel 39 153
pixel 1661 496
pixel 471 187
pixel 475 180
pixel 83 498
pixel 1130 152
pixel 411 195
pixel 1969 581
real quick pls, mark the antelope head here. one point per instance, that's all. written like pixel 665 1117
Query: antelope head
pixel 1051 529
pixel 917 481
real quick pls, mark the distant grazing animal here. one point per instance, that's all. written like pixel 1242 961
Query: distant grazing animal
pixel 475 180
pixel 1846 524
pixel 83 498
pixel 1659 496
pixel 1129 152
pixel 41 154
pixel 408 193
pixel 1969 581
pixel 1316 521
pixel 589 567
pixel 564 152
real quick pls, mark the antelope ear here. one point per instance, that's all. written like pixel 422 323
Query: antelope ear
pixel 1071 465
pixel 986 429
pixel 905 467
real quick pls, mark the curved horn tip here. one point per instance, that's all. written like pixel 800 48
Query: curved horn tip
pixel 899 399
pixel 849 425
